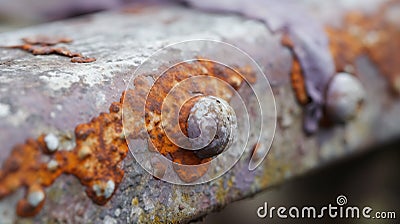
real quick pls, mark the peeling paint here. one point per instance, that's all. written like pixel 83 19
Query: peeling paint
pixel 43 45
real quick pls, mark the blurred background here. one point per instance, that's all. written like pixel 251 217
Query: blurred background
pixel 21 13
pixel 371 179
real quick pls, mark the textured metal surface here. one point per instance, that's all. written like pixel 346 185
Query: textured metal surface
pixel 48 94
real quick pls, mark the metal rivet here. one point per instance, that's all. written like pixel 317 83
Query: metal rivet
pixel 344 97
pixel 211 126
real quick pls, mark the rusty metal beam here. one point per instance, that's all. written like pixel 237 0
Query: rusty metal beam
pixel 48 95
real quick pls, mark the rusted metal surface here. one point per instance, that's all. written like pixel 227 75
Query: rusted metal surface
pixel 100 147
pixel 376 35
pixel 45 95
pixel 163 95
pixel 306 37
pixel 309 44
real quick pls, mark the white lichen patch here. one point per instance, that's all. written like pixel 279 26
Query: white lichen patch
pixel 52 142
pixel 109 220
pixel 58 80
pixel 110 187
pixel 17 118
pixel 84 151
pixel 148 203
pixel 100 99
pixel 35 198
pixel 4 110
pixel 117 212
pixel 52 165
pixel 97 189
pixel 104 189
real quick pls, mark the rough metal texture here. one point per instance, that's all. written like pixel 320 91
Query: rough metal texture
pixel 203 133
pixel 48 94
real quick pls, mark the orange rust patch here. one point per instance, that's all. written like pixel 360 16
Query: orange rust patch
pixel 152 96
pixel 100 147
pixel 43 45
pixel 82 59
pixel 298 84
pixel 190 173
pixel 296 74
pixel 185 112
pixel 163 86
pixel 372 35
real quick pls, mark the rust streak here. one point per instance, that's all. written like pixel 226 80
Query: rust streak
pixel 296 74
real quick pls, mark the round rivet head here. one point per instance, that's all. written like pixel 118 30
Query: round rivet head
pixel 344 97
pixel 211 126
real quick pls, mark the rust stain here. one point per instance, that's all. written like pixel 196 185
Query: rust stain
pixel 44 45
pixel 297 81
pixel 157 93
pixel 101 143
pixel 82 59
pixel 100 147
pixel 164 85
pixel 373 35
pixel 296 74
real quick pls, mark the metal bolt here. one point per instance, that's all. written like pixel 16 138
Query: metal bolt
pixel 211 125
pixel 344 97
